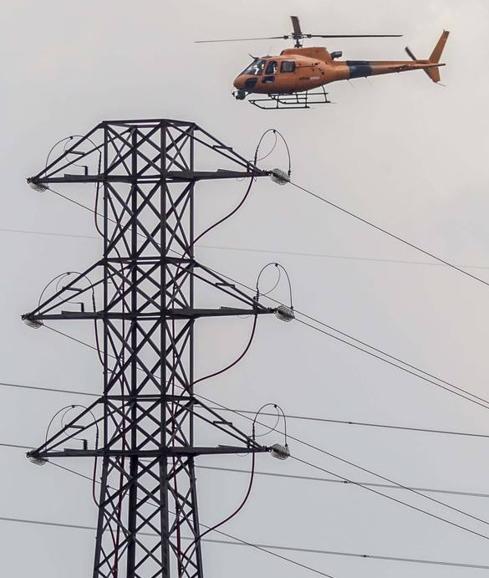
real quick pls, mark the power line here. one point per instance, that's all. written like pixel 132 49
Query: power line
pixel 392 357
pixel 391 360
pixel 389 234
pixel 370 487
pixel 364 556
pixel 343 482
pixel 350 463
pixel 371 472
pixel 383 477
pixel 236 540
pixel 287 415
pixel 268 550
pixel 366 424
pixel 377 353
pixel 259 250
pixel 267 547
pixel 329 256
pixel 16 446
pixel 456 391
pixel 73 338
pixel 44 523
pixel 50 389
pixel 394 361
pixel 401 502
pixel 305 478
pixel 47 233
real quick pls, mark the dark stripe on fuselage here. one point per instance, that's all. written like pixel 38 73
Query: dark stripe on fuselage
pixel 359 68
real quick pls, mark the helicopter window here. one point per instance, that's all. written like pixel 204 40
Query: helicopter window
pixel 287 66
pixel 255 68
pixel 271 67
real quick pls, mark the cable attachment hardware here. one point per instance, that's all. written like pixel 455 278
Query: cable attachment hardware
pixel 32 323
pixel 280 452
pixel 36 186
pixel 282 312
pixel 279 176
pixel 36 460
pixel 285 313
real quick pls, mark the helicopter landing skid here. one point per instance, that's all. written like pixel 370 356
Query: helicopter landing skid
pixel 290 101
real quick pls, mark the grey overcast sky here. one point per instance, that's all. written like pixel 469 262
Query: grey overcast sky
pixel 399 150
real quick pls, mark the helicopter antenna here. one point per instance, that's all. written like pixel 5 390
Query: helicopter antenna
pixel 297 35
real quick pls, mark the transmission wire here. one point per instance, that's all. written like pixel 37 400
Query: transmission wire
pixel 371 472
pixel 307 478
pixel 321 450
pixel 336 457
pixel 485 403
pixel 288 416
pixel 256 250
pixel 389 234
pixel 266 547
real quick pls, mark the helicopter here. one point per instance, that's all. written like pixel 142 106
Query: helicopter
pixel 290 79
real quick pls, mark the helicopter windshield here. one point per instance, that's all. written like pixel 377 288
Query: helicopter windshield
pixel 255 68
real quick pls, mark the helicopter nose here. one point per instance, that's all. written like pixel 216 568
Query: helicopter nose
pixel 245 82
pixel 239 82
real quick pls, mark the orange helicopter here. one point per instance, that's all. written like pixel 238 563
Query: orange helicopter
pixel 289 80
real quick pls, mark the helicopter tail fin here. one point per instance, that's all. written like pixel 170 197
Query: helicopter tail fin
pixel 433 71
pixel 440 45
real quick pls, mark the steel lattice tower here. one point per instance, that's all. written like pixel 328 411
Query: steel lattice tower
pixel 144 174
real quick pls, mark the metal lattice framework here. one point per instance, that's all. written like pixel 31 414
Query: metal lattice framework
pixel 144 173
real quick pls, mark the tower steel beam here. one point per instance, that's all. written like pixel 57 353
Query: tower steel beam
pixel 144 174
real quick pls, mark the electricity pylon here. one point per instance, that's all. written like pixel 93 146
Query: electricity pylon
pixel 141 298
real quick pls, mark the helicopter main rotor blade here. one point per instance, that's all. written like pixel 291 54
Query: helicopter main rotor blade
pixel 296 25
pixel 243 39
pixel 298 34
pixel 352 35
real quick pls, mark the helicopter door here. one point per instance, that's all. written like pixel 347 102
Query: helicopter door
pixel 270 71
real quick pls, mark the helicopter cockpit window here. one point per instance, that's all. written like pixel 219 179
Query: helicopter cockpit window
pixel 271 67
pixel 287 66
pixel 256 67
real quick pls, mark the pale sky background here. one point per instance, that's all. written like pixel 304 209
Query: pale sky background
pixel 399 150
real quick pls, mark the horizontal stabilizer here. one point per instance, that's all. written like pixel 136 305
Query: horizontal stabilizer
pixel 419 65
